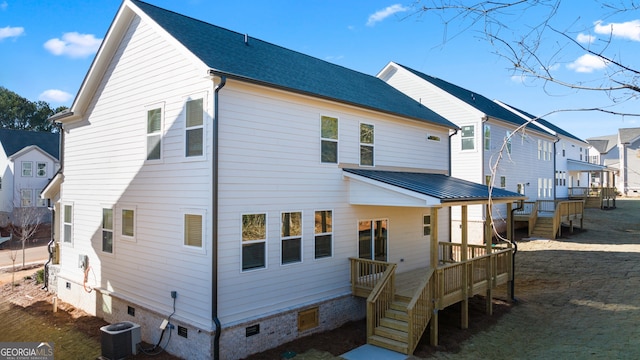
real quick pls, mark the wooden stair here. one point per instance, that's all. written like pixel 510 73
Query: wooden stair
pixel 543 228
pixel 393 331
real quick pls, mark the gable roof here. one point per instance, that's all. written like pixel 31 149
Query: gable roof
pixel 603 144
pixel 546 124
pixel 475 100
pixel 445 188
pixel 12 141
pixel 628 135
pixel 226 53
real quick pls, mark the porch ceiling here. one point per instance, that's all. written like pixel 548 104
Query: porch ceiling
pixel 401 188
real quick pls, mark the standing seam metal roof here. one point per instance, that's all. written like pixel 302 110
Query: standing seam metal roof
pixel 440 186
pixel 259 61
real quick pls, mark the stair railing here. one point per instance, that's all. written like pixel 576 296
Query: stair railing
pixel 420 309
pixel 380 299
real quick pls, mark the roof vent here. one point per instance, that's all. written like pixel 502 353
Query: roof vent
pixel 246 39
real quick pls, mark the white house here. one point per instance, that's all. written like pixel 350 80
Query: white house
pixel 492 145
pixel 620 152
pixel 570 154
pixel 223 183
pixel 28 160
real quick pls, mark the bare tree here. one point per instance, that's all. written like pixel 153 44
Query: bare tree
pixel 536 42
pixel 27 218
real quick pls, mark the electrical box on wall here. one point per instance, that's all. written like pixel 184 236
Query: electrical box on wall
pixel 83 261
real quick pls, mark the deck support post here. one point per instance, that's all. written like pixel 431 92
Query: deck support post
pixel 510 237
pixel 464 305
pixel 489 242
pixel 433 324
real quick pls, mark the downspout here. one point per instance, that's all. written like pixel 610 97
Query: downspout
pixel 515 250
pixel 214 215
pixel 53 209
pixel 555 174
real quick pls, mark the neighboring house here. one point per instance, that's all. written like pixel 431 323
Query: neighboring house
pixel 242 176
pixel 620 152
pixel 490 142
pixel 28 160
pixel 570 154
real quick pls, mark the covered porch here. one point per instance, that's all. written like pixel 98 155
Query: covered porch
pixel 400 306
pixel 602 191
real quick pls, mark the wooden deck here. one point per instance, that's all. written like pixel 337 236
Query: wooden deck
pixel 544 218
pixel 400 306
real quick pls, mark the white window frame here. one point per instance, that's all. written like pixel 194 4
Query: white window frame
pixel 486 135
pixel 67 237
pixel 46 166
pixel 426 225
pixel 159 133
pixel 40 202
pixel 369 145
pixel 27 171
pixel 291 237
pixel 203 215
pixel 317 234
pixel 331 140
pixel 107 230
pixel 29 198
pixel 194 97
pixel 503 182
pixel 255 241
pixel 120 213
pixel 471 137
pixel 539 149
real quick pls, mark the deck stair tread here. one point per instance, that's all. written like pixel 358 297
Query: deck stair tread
pixel 399 346
pixel 395 324
pixel 392 334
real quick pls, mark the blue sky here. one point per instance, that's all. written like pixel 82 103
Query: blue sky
pixel 46 47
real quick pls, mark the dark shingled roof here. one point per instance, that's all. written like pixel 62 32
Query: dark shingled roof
pixel 549 125
pixel 439 186
pixel 483 104
pixel 15 140
pixel 258 61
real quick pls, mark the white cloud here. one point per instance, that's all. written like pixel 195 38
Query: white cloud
pixel 587 63
pixel 385 13
pixel 56 96
pixel 627 30
pixel 585 38
pixel 74 45
pixel 7 32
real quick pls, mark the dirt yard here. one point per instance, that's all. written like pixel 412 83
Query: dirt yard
pixel 577 297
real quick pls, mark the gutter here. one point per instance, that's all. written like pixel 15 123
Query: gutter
pixel 214 213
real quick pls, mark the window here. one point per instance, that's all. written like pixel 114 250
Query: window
pixel 487 137
pixel 539 187
pixel 39 200
pixel 539 149
pixel 27 168
pixel 508 140
pixel 154 134
pixel 433 138
pixel 0 182
pixel 291 237
pixel 41 169
pixel 366 144
pixel 323 234
pixel 194 128
pixel 107 230
pixel 328 140
pixel 254 241
pixel 468 137
pixel 426 225
pixel 503 182
pixel 372 239
pixel 67 224
pixel 487 180
pixel 128 223
pixel 26 197
pixel 521 189
pixel 193 230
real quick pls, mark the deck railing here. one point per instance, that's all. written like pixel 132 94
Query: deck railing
pixel 452 252
pixel 567 211
pixel 420 309
pixel 365 274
